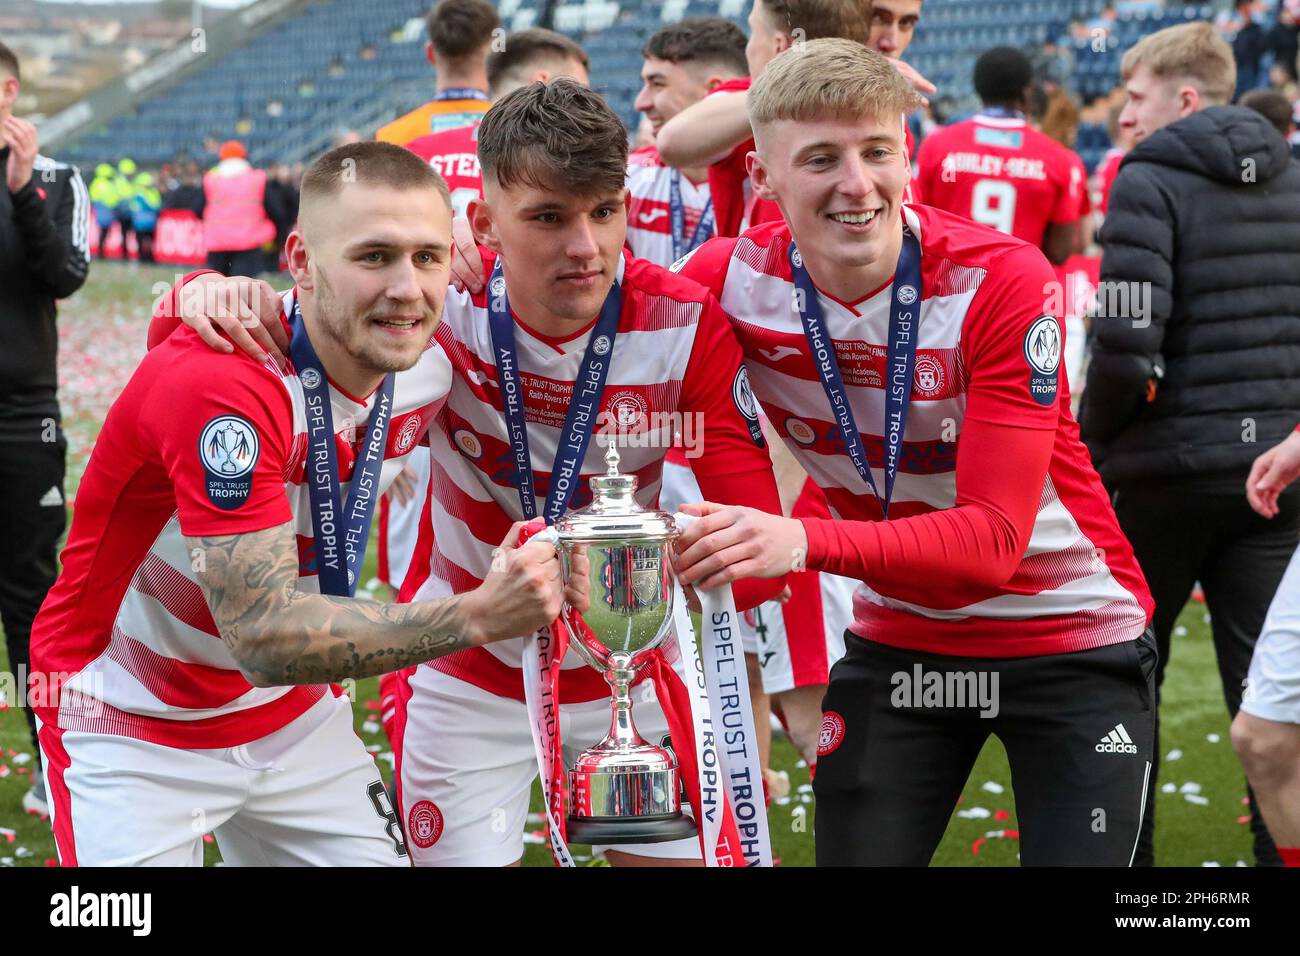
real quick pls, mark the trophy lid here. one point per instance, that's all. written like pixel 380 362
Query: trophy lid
pixel 614 512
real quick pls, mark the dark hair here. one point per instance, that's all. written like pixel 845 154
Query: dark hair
pixel 525 50
pixel 461 28
pixel 558 135
pixel 1001 75
pixel 371 163
pixel 1273 105
pixel 709 40
pixel 822 19
pixel 9 62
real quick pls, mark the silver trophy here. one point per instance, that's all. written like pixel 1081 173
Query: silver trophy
pixel 623 790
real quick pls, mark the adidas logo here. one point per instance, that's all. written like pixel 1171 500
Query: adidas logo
pixel 1117 742
pixel 51 498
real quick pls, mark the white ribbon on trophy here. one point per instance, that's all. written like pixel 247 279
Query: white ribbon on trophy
pixel 731 710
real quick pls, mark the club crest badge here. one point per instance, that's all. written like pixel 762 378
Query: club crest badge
pixel 831 733
pixel 424 824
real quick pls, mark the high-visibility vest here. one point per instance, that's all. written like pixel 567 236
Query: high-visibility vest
pixel 234 218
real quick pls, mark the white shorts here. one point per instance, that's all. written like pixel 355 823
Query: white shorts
pixel 1273 685
pixel 401 526
pixel 781 664
pixel 468 767
pixel 307 795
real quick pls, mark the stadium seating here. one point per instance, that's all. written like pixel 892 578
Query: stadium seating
pixel 340 65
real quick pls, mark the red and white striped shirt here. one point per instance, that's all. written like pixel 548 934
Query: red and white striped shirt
pixel 127 620
pixel 650 217
pixel 1076 584
pixel 676 364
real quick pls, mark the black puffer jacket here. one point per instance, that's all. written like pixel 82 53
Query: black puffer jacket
pixel 1200 304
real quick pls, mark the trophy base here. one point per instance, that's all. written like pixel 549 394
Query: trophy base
pixel 606 831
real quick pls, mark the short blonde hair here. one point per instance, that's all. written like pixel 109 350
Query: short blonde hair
pixel 1189 51
pixel 829 79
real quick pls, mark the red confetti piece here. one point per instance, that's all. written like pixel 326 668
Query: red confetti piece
pixel 11 753
pixel 23 770
pixel 1245 818
pixel 1001 815
pixel 372 705
pixel 975 847
pixel 8 834
pixel 51 861
pixel 208 838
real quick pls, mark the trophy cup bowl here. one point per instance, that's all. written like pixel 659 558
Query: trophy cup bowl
pixel 624 789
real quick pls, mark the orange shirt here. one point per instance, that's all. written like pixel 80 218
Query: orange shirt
pixel 434 117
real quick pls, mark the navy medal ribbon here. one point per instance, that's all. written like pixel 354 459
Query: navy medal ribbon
pixel 341 531
pixel 579 423
pixel 900 362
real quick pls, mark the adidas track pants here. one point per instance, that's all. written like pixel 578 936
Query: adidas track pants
pixel 902 729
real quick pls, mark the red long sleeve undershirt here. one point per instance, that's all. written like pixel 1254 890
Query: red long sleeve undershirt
pixel 979 542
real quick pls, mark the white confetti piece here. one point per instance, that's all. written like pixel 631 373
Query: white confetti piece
pixel 21 759
pixel 371 727
pixel 1169 788
pixel 373 748
pixel 1205 619
pixel 534 837
pixel 1213 738
pixel 6 861
pixel 389 758
pixel 1196 798
pixel 22 853
pixel 373 585
pixel 801 764
pixel 992 787
pixel 805 798
pixel 1190 787
pixel 536 819
pixel 804 788
pixel 1211 863
pixel 974 813
pixel 1174 754
pixel 783 801
pixel 1240 863
pixel 1180 631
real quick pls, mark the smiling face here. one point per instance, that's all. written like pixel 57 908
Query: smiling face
pixel 840 183
pixel 559 250
pixel 667 88
pixel 372 266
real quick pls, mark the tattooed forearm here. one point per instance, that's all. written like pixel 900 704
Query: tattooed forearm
pixel 280 636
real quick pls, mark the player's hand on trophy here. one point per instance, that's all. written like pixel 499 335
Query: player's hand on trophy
pixel 730 542
pixel 466 263
pixel 524 590
pixel 246 310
